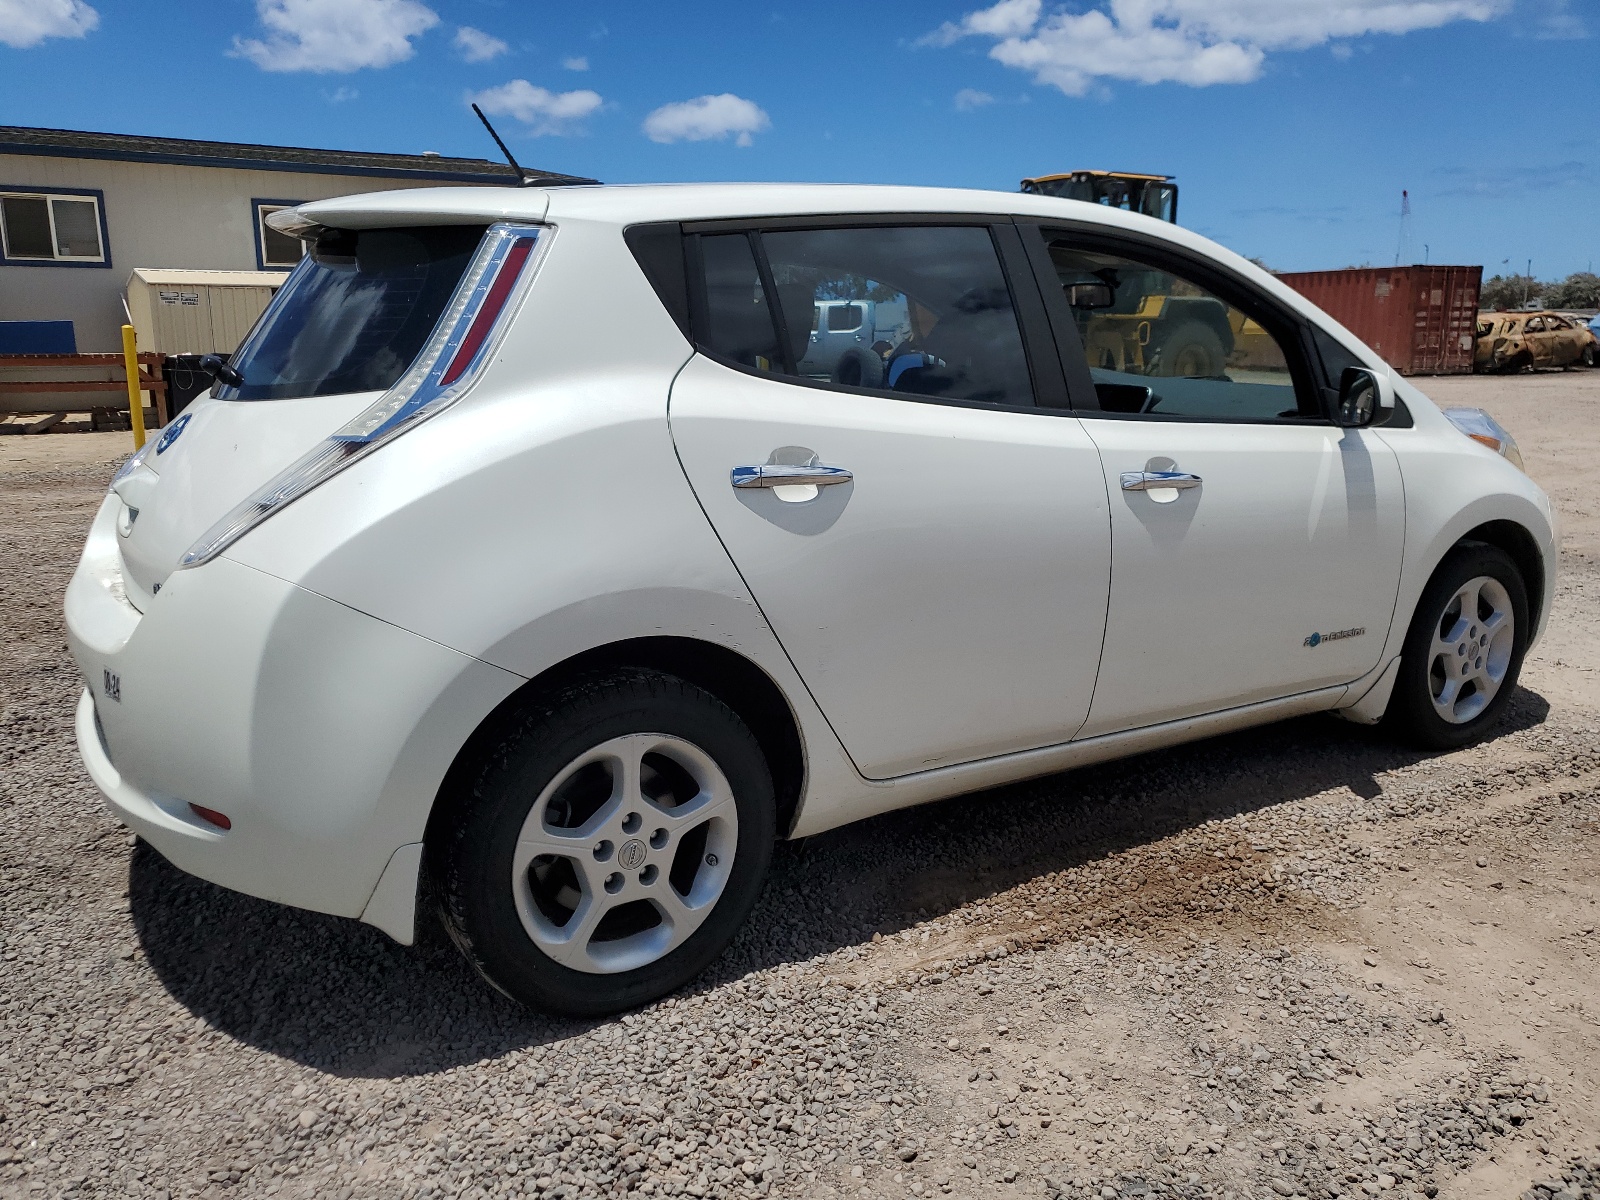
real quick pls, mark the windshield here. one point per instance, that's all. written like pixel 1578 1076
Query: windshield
pixel 354 313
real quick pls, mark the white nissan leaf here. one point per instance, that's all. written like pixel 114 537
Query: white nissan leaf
pixel 517 561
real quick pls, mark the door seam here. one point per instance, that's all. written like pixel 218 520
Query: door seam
pixel 672 436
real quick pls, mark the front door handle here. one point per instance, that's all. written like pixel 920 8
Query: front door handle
pixel 771 475
pixel 1152 481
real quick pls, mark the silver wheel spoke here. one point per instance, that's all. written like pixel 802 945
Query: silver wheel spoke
pixel 535 840
pixel 572 948
pixel 628 760
pixel 695 812
pixel 676 911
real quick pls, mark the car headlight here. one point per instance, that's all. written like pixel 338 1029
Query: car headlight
pixel 1486 431
pixel 132 465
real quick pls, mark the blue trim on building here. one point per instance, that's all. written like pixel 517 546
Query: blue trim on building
pixel 105 233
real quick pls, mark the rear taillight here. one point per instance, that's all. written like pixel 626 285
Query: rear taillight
pixel 461 344
pixel 478 332
pixel 212 817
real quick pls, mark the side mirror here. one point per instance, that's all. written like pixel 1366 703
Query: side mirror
pixel 216 366
pixel 1365 398
pixel 1091 295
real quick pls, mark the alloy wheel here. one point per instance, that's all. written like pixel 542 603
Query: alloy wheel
pixel 625 853
pixel 1471 649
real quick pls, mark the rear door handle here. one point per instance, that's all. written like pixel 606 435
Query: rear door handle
pixel 1151 481
pixel 770 475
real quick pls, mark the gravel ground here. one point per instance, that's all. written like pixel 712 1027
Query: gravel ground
pixel 1299 961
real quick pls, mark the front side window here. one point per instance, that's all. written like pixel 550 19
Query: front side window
pixel 51 228
pixel 914 310
pixel 1160 345
pixel 354 314
pixel 274 249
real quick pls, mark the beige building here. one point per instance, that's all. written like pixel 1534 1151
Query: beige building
pixel 80 212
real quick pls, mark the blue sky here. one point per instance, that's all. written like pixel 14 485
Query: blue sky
pixel 1292 125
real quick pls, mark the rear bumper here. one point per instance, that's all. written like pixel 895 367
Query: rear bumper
pixel 322 733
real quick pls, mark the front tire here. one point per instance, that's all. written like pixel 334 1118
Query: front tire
pixel 1463 652
pixel 608 845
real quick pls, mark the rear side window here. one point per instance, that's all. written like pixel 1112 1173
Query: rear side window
pixel 917 310
pixel 844 318
pixel 354 314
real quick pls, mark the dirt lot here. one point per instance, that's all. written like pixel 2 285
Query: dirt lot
pixel 1300 961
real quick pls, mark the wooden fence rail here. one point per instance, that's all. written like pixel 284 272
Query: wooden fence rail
pixel 51 390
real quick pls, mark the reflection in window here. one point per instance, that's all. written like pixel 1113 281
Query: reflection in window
pixel 919 310
pixel 51 228
pixel 277 249
pixel 1159 344
pixel 740 327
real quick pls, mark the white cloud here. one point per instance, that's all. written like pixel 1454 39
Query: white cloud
pixel 541 110
pixel 342 95
pixel 1557 21
pixel 477 46
pixel 26 23
pixel 577 62
pixel 1008 18
pixel 1195 42
pixel 335 35
pixel 706 118
pixel 968 99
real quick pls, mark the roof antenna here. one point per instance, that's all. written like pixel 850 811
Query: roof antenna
pixel 504 149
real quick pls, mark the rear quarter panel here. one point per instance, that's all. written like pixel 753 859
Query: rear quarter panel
pixel 545 514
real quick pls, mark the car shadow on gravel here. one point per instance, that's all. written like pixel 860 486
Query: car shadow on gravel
pixel 342 997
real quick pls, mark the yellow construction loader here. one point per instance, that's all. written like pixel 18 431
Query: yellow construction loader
pixel 1153 195
pixel 1158 325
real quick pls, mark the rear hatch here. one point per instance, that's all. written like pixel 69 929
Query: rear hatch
pixel 344 327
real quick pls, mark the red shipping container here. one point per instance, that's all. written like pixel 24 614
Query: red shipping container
pixel 1421 320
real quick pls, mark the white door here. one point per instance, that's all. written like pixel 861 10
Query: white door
pixel 1275 574
pixel 941 586
pixel 1255 546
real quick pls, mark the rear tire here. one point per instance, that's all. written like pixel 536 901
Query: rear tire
pixel 1463 652
pixel 1588 358
pixel 539 877
pixel 1192 351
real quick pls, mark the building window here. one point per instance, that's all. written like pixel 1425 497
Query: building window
pixel 274 250
pixel 52 227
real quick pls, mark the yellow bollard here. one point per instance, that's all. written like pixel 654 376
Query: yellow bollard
pixel 130 364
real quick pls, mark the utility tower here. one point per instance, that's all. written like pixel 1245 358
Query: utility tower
pixel 1402 250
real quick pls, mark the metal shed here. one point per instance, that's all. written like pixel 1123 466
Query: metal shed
pixel 197 312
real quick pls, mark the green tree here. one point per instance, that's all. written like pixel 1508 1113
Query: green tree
pixel 1581 289
pixel 1510 291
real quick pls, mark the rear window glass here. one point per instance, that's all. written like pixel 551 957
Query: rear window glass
pixel 354 314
